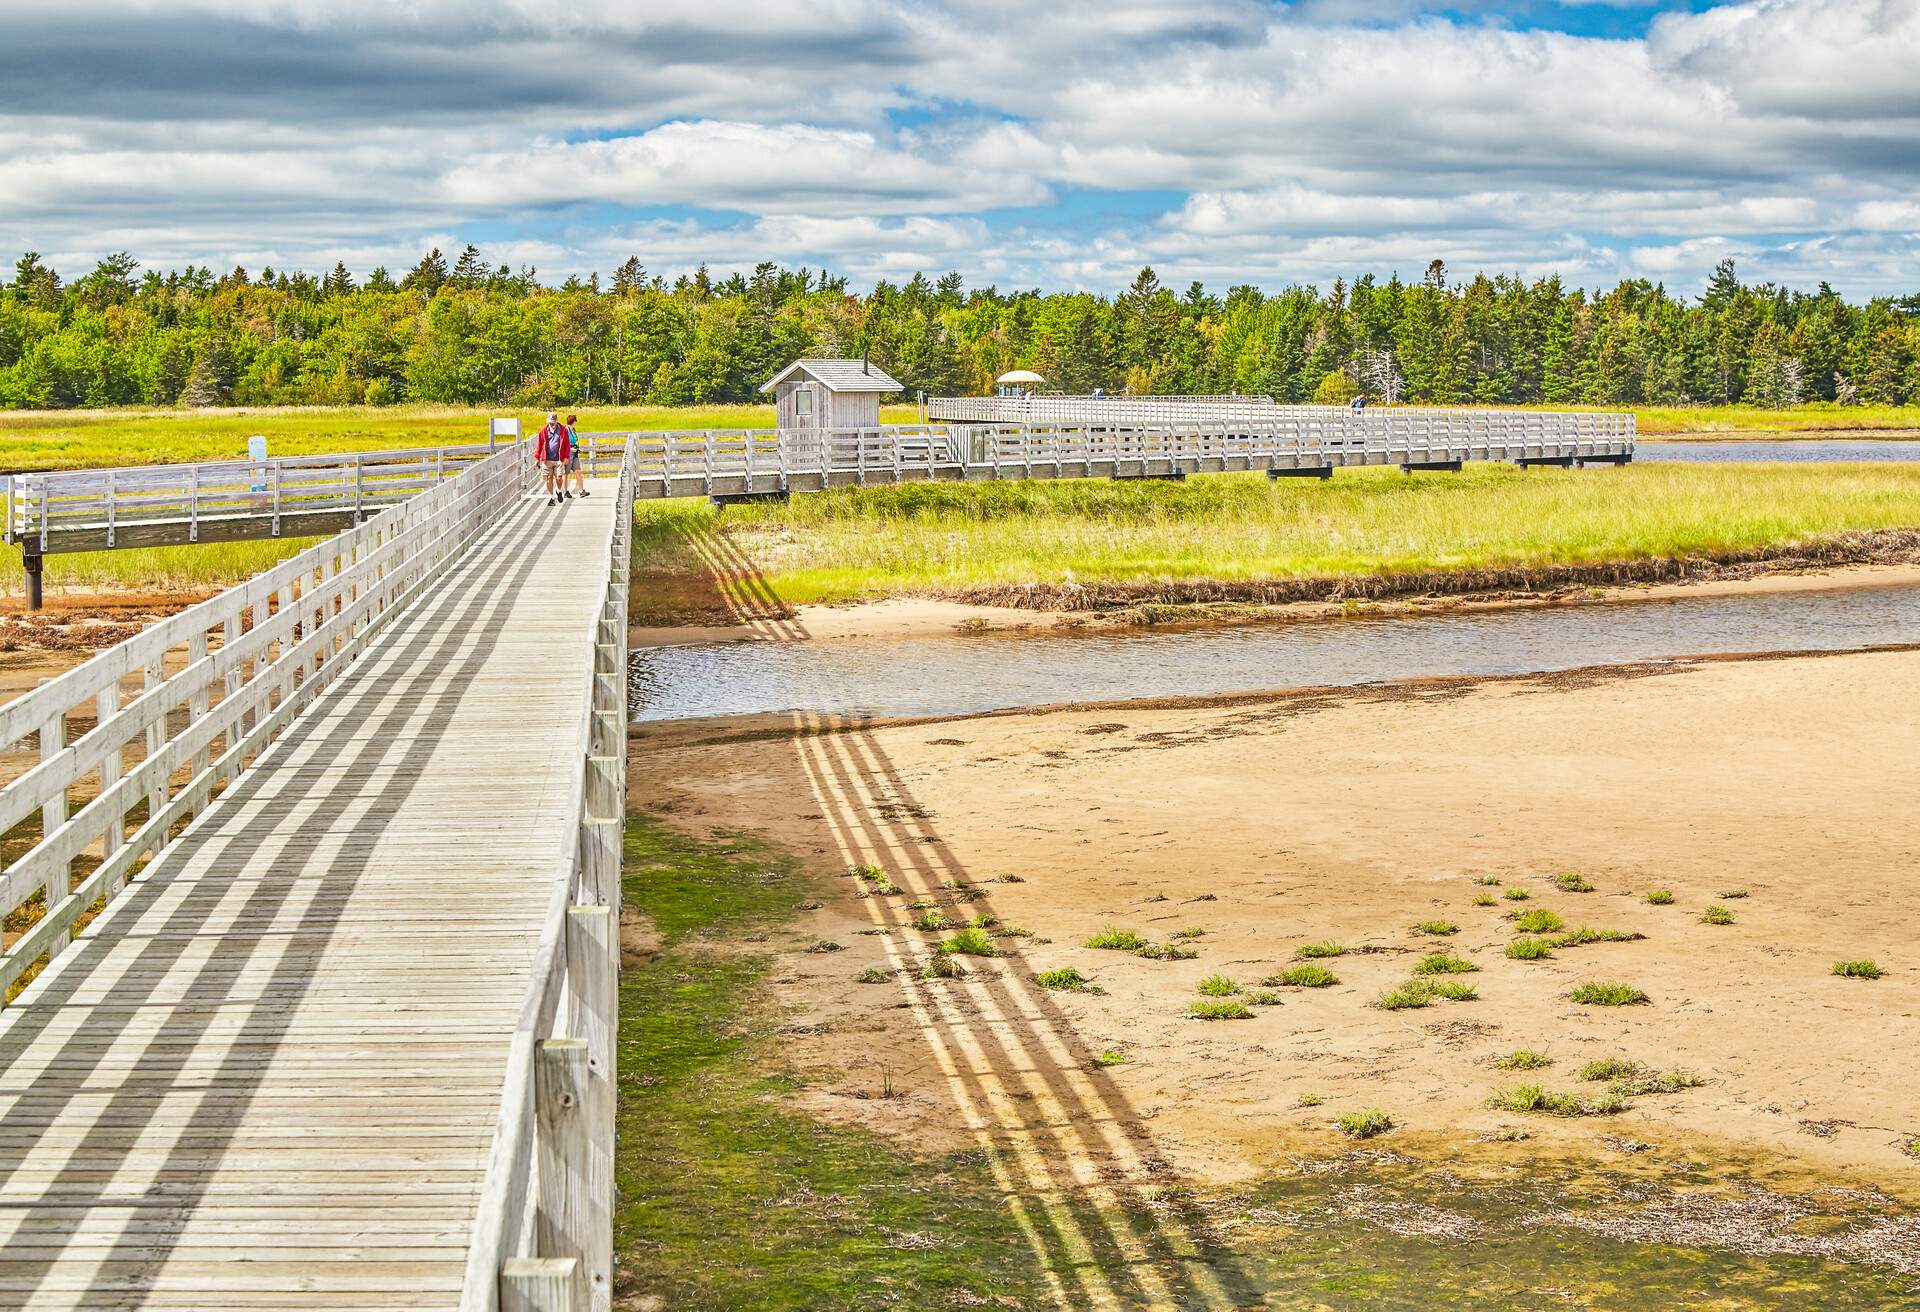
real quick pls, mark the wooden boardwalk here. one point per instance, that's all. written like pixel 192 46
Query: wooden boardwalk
pixel 269 1075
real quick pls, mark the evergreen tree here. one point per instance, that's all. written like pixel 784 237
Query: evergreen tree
pixel 428 276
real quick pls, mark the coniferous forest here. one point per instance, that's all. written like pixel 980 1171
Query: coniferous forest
pixel 470 332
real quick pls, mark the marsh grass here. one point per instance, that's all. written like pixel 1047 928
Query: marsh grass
pixel 1530 949
pixel 1436 928
pixel 1327 948
pixel 1716 915
pixel 1606 993
pixel 970 942
pixel 943 538
pixel 1865 968
pixel 1363 1124
pixel 1117 940
pixel 1660 897
pixel 1302 977
pixel 1443 963
pixel 1218 986
pixel 1538 921
pixel 1220 1009
pixel 1523 1059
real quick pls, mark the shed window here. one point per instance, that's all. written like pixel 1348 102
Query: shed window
pixel 803 402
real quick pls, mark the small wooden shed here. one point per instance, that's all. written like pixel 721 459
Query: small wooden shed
pixel 829 394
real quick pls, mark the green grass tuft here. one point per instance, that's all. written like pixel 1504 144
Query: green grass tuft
pixel 1227 1009
pixel 1530 949
pixel 1454 990
pixel 1437 928
pixel 1534 1098
pixel 1639 1084
pixel 1865 968
pixel 1660 897
pixel 1516 894
pixel 1066 979
pixel 1111 1057
pixel 970 942
pixel 1610 1068
pixel 873 975
pixel 1328 948
pixel 1308 1100
pixel 1363 1124
pixel 1117 940
pixel 1443 963
pixel 1415 993
pixel 1581 937
pixel 1218 986
pixel 1302 977
pixel 1263 998
pixel 1485 900
pixel 1191 931
pixel 1733 894
pixel 943 967
pixel 932 920
pixel 1488 881
pixel 1600 993
pixel 1716 915
pixel 1523 1059
pixel 1572 882
pixel 1537 921
pixel 1165 952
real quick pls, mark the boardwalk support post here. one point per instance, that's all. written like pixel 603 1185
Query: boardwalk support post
pixel 35 563
pixel 563 1219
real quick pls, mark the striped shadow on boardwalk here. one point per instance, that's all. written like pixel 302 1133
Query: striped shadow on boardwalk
pixel 270 1073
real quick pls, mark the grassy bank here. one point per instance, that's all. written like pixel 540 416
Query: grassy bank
pixel 1233 535
pixel 1751 421
pixel 732 1198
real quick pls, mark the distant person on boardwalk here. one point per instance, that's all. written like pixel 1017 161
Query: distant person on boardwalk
pixel 552 448
pixel 573 457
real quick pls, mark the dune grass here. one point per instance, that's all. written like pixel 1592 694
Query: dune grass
pixel 948 538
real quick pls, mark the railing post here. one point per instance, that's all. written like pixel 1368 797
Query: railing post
pixel 592 946
pixel 106 705
pixel 538 1284
pixel 563 1216
pixel 152 677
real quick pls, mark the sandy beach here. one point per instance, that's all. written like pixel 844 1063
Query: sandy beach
pixel 1270 823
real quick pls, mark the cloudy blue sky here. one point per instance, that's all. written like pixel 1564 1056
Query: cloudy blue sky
pixel 1057 145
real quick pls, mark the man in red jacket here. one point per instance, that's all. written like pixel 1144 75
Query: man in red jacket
pixel 553 448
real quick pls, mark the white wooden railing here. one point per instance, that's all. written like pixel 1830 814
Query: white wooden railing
pixel 543 1240
pixel 216 685
pixel 288 496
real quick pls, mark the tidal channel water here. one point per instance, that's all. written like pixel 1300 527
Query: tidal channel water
pixel 964 674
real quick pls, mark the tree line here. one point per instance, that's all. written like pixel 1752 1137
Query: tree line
pixel 477 333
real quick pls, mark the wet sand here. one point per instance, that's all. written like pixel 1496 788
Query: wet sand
pixel 1268 823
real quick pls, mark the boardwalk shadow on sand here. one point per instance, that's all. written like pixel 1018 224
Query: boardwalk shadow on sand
pixel 1109 1221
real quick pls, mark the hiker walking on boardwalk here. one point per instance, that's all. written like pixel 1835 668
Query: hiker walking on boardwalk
pixel 573 457
pixel 552 448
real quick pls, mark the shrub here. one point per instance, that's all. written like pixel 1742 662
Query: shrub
pixel 1363 1124
pixel 1523 1059
pixel 969 942
pixel 1218 986
pixel 1599 993
pixel 1661 897
pixel 1437 928
pixel 1529 949
pixel 1717 915
pixel 1539 921
pixel 1302 977
pixel 1117 940
pixel 1228 1009
pixel 1443 963
pixel 1324 949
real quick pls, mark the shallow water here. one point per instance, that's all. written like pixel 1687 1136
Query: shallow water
pixel 1809 451
pixel 969 674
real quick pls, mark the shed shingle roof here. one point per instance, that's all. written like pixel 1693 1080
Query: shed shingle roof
pixel 839 376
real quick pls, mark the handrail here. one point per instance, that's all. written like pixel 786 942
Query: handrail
pixel 543 1236
pixel 248 661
